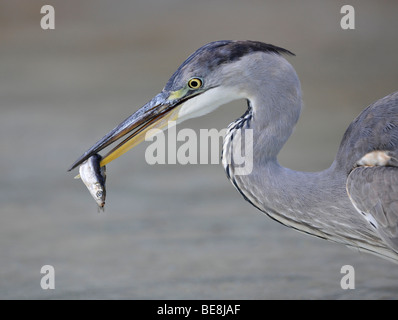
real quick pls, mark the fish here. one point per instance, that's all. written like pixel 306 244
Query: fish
pixel 94 177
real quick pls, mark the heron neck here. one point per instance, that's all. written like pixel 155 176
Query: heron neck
pixel 272 188
pixel 274 118
pixel 272 126
pixel 303 200
pixel 291 197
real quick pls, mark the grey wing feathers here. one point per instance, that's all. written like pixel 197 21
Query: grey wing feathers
pixel 376 128
pixel 374 193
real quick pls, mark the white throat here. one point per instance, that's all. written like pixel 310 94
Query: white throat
pixel 208 102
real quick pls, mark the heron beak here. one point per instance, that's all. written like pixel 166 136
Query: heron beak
pixel 155 114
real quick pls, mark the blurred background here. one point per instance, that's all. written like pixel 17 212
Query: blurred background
pixel 172 231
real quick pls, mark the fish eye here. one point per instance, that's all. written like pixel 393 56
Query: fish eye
pixel 195 83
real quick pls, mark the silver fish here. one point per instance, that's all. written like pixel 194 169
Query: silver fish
pixel 94 178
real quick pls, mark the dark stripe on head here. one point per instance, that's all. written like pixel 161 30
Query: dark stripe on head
pixel 216 53
pixel 227 51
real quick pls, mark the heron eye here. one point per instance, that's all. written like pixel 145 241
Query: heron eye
pixel 195 83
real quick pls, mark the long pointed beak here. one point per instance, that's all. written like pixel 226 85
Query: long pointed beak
pixel 155 114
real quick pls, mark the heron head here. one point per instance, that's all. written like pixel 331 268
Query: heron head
pixel 215 74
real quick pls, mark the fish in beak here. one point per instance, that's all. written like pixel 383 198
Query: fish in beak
pixel 94 177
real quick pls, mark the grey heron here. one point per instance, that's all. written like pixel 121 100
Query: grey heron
pixel 354 202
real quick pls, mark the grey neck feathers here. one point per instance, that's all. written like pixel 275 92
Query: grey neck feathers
pixel 276 107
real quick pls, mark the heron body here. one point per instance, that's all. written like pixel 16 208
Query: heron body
pixel 354 202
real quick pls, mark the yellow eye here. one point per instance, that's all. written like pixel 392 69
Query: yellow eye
pixel 195 83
